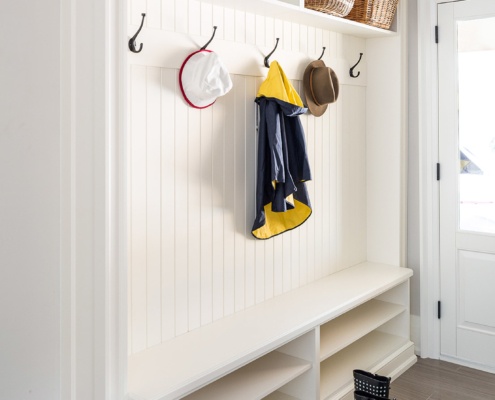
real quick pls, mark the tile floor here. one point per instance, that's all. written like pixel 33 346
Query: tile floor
pixel 439 380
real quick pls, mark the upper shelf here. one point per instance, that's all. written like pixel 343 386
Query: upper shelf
pixel 293 10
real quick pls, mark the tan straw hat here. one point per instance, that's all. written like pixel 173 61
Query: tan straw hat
pixel 321 87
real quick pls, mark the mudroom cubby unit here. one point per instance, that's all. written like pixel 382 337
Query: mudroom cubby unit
pixel 368 337
pixel 303 344
pixel 214 313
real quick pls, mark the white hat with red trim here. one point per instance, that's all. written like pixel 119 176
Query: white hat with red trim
pixel 203 78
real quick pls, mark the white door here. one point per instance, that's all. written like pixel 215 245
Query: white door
pixel 467 181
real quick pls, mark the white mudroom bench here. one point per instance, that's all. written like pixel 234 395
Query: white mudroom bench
pixel 302 344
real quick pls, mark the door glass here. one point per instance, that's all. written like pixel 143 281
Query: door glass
pixel 476 57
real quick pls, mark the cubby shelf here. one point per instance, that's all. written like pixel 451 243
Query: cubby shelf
pixel 346 329
pixel 294 11
pixel 368 353
pixel 279 396
pixel 255 380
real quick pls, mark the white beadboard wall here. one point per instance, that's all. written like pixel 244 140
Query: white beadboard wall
pixel 192 172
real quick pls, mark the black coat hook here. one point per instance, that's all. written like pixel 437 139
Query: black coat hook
pixel 132 40
pixel 209 41
pixel 351 71
pixel 323 52
pixel 267 58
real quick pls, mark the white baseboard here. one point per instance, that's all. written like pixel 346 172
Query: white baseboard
pixel 466 363
pixel 416 333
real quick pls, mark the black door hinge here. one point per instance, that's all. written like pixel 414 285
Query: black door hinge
pixel 438 171
pixel 439 309
pixel 436 34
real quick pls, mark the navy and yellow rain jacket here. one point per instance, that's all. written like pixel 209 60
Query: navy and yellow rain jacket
pixel 282 201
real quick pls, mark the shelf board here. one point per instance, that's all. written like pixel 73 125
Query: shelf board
pixel 290 10
pixel 346 329
pixel 366 353
pixel 255 380
pixel 279 396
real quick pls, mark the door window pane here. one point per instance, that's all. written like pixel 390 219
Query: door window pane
pixel 476 58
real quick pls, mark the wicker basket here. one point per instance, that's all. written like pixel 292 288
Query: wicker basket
pixel 379 13
pixel 339 8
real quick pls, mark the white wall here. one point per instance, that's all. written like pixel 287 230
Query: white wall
pixel 413 248
pixel 59 177
pixel 30 200
pixel 192 172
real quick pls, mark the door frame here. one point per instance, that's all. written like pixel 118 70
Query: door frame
pixel 428 185
pixel 429 212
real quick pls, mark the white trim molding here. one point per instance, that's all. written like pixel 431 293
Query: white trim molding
pixel 428 153
pixel 93 243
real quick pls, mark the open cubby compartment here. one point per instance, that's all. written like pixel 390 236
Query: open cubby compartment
pixel 341 332
pixel 373 336
pixel 287 372
pixel 400 325
pixel 372 352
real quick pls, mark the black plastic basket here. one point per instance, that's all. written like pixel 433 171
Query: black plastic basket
pixel 367 382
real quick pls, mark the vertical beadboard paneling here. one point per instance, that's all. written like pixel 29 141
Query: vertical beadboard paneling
pixel 347 97
pixel 278 29
pixel 240 26
pixel 192 182
pixel 286 262
pixel 138 312
pixel 338 177
pixel 253 251
pixel 168 15
pixel 303 39
pixel 194 12
pixel 325 232
pixel 295 258
pixel 310 239
pixel 239 185
pixel 181 16
pixel 153 205
pixel 206 204
pixel 318 42
pixel 295 37
pixel 154 14
pixel 250 28
pixel 287 36
pixel 229 24
pixel 218 206
pixel 207 20
pixel 270 34
pixel 168 99
pixel 217 20
pixel 268 269
pixel 332 187
pixel 260 30
pixel 311 40
pixel 194 217
pixel 229 204
pixel 303 229
pixel 137 7
pixel 278 265
pixel 318 204
pixel 181 215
